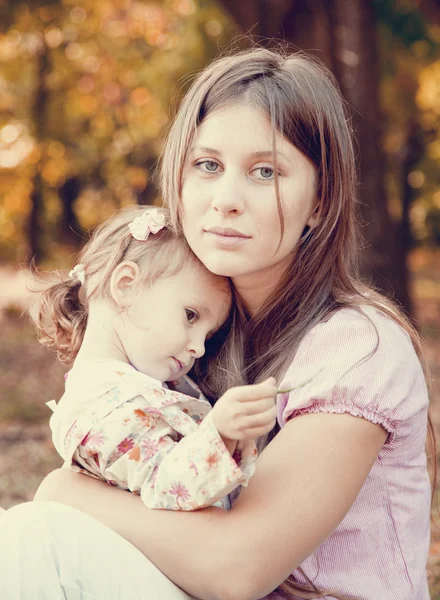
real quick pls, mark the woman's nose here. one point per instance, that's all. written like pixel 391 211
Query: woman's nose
pixel 227 194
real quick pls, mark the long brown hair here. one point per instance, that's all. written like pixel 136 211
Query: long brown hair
pixel 300 98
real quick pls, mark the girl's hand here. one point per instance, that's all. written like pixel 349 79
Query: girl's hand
pixel 246 412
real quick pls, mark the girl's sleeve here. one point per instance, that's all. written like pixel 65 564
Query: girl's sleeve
pixel 359 363
pixel 163 445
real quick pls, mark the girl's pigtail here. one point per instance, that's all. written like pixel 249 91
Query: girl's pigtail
pixel 59 315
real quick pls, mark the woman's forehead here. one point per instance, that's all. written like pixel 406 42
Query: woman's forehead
pixel 241 114
pixel 240 127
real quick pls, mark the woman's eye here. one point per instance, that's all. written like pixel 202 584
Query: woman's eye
pixel 265 172
pixel 191 315
pixel 207 166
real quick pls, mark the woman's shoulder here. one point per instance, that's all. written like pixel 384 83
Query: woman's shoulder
pixel 361 361
pixel 357 332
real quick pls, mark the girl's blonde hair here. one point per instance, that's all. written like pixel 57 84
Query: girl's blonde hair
pixel 300 98
pixel 61 309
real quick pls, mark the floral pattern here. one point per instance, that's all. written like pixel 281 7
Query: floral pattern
pixel 141 436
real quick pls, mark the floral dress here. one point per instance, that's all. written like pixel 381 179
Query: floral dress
pixel 119 425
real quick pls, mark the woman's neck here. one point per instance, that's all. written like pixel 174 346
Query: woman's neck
pixel 255 288
pixel 100 338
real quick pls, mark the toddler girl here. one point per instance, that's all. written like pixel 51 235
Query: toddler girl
pixel 135 314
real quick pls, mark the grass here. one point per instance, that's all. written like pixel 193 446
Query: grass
pixel 29 374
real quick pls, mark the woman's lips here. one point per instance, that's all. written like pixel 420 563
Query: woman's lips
pixel 226 237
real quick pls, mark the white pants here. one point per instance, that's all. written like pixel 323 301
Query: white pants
pixel 49 551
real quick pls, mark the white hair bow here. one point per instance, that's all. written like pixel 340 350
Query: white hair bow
pixel 151 221
pixel 79 273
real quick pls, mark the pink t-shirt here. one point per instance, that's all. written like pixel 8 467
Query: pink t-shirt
pixel 367 367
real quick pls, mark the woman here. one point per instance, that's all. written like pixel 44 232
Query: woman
pixel 259 174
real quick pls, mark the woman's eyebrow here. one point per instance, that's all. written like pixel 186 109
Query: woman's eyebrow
pixel 204 149
pixel 261 154
pixel 268 154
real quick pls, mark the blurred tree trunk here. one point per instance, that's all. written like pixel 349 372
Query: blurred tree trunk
pixel 36 227
pixel 412 152
pixel 343 35
pixel 70 230
pixel 150 194
pixel 358 72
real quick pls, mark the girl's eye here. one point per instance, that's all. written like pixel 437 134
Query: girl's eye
pixel 207 166
pixel 191 315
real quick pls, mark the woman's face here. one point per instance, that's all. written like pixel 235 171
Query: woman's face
pixel 230 214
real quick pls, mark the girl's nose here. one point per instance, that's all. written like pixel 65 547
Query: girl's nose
pixel 197 347
pixel 227 195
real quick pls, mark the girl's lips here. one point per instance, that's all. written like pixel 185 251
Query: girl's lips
pixel 178 364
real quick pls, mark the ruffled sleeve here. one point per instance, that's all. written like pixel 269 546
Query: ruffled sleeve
pixel 358 362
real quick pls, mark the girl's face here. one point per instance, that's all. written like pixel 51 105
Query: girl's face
pixel 230 213
pixel 163 328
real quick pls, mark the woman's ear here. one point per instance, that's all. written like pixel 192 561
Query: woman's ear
pixel 314 217
pixel 123 283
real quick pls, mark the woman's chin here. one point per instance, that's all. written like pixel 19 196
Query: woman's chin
pixel 226 266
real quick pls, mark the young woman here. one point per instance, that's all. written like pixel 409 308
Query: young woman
pixel 259 174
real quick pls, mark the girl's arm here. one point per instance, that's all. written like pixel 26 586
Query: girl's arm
pixel 306 480
pixel 168 474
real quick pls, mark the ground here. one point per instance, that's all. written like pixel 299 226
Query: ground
pixel 30 376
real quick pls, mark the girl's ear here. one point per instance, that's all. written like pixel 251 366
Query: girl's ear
pixel 123 283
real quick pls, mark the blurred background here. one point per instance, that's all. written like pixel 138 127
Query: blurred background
pixel 87 91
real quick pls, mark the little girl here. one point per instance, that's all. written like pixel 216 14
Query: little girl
pixel 135 314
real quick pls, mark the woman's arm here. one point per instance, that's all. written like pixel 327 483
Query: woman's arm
pixel 306 480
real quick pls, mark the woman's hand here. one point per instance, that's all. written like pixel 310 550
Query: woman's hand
pixel 246 412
